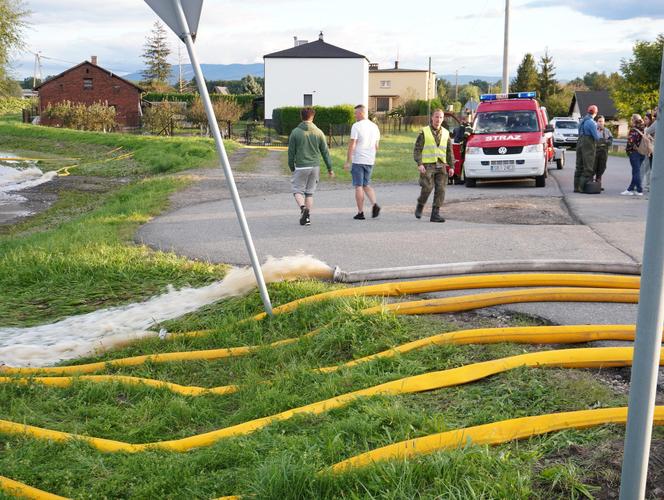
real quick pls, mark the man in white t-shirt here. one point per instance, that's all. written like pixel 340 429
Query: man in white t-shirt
pixel 362 147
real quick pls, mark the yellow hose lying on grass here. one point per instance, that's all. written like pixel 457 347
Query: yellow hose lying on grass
pixel 519 335
pixel 468 282
pixel 477 301
pixel 14 488
pixel 493 433
pixel 433 306
pixel 565 358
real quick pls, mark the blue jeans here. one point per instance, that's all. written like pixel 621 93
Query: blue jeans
pixel 635 160
pixel 361 174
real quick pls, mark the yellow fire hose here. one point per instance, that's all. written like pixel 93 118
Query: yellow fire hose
pixel 565 358
pixel 493 433
pixel 468 282
pixel 519 335
pixel 21 490
pixel 477 301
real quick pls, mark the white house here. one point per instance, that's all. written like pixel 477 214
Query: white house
pixel 315 74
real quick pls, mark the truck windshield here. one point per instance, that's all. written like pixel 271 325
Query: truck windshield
pixel 506 121
pixel 570 125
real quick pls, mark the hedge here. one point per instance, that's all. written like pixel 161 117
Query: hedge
pixel 244 100
pixel 284 120
pixel 12 105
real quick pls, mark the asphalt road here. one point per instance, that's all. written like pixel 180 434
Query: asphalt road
pixel 604 227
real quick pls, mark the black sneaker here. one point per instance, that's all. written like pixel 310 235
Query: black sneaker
pixel 375 210
pixel 359 216
pixel 304 217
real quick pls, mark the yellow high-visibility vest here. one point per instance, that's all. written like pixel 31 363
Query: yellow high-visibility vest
pixel 431 153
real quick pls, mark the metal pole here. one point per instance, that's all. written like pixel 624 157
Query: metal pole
pixel 647 345
pixel 221 150
pixel 456 84
pixel 506 82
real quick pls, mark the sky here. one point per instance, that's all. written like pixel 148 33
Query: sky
pixel 581 35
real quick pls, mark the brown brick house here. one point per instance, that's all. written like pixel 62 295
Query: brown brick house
pixel 88 83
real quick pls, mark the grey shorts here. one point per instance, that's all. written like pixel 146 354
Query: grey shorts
pixel 305 180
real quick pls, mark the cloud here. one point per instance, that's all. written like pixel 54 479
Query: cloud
pixel 615 10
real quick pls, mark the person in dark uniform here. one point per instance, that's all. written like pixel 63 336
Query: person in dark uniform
pixel 602 149
pixel 585 150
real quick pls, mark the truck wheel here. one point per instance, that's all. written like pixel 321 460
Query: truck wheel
pixel 540 181
pixel 471 183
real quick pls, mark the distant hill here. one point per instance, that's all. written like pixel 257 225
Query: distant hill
pixel 210 71
pixel 464 79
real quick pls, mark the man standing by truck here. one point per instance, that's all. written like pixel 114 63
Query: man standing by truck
pixel 433 156
pixel 585 150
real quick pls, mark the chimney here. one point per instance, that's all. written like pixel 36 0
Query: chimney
pixel 93 60
pixel 373 66
pixel 396 64
pixel 320 36
pixel 294 41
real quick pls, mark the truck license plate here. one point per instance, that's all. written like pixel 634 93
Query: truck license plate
pixel 502 166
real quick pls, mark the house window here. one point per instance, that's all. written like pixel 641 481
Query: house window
pixel 308 99
pixel 386 84
pixel 382 104
pixel 87 83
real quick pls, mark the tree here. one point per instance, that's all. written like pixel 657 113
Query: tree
pixel 156 51
pixel 639 89
pixel 547 84
pixel 526 75
pixel 468 92
pixel 483 85
pixel 251 86
pixel 597 81
pixel 13 22
pixel 444 90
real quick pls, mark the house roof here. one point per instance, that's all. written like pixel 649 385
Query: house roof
pixel 400 70
pixel 318 49
pixel 110 73
pixel 600 98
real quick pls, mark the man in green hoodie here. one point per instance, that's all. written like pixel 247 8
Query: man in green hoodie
pixel 305 144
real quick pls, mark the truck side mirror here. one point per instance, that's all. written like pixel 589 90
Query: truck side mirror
pixel 548 128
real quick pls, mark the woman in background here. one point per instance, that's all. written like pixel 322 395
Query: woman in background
pixel 635 158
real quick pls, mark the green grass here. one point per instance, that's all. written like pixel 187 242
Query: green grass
pixel 151 155
pixel 78 256
pixel 394 160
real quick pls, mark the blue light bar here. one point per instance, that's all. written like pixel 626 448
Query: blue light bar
pixel 512 95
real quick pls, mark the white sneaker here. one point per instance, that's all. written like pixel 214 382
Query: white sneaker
pixel 627 192
pixel 636 193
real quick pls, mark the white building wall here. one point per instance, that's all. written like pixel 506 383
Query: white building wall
pixel 330 81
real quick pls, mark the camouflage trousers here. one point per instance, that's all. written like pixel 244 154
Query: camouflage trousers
pixel 434 179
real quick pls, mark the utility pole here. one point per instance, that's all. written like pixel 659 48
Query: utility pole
pixel 456 84
pixel 184 22
pixel 37 72
pixel 648 342
pixel 429 93
pixel 506 84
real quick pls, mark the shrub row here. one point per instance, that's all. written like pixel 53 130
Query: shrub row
pixel 13 105
pixel 284 120
pixel 241 99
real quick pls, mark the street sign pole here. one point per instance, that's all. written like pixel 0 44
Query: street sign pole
pixel 172 13
pixel 648 343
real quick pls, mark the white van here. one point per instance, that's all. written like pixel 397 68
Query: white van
pixel 565 131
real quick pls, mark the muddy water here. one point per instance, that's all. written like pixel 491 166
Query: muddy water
pixel 16 176
pixel 101 330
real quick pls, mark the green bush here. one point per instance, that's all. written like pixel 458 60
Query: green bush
pixel 244 101
pixel 97 117
pixel 285 119
pixel 11 105
pixel 419 107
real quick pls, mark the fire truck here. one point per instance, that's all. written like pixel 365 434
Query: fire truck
pixel 510 139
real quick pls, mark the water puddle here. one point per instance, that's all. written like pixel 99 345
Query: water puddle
pixel 95 332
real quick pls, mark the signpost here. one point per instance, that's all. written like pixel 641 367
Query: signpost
pixel 183 16
pixel 649 323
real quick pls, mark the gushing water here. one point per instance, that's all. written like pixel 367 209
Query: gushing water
pixel 15 178
pixel 86 334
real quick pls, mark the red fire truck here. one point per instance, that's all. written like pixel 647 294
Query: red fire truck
pixel 511 139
